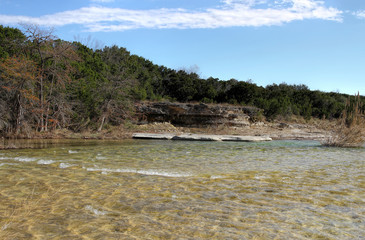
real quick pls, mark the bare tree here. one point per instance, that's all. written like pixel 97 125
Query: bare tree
pixel 90 42
pixel 19 76
pixel 54 57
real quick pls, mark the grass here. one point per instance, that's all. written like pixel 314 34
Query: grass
pixel 350 129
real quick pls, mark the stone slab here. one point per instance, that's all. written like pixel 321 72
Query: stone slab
pixel 153 136
pixel 197 137
pixel 201 137
pixel 245 138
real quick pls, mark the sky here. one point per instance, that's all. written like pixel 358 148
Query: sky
pixel 319 43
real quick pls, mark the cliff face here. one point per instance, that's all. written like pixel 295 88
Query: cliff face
pixel 194 115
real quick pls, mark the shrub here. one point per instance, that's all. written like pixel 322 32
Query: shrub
pixel 350 129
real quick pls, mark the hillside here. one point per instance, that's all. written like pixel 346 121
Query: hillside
pixel 47 84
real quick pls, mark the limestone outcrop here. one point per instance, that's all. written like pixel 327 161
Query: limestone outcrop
pixel 195 115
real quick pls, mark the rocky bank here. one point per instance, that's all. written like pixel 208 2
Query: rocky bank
pixel 195 114
pixel 198 118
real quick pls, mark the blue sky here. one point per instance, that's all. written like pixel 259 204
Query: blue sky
pixel 317 43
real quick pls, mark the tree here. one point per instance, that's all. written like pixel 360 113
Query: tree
pixel 54 58
pixel 11 41
pixel 273 109
pixel 115 91
pixel 180 85
pixel 243 92
pixel 17 86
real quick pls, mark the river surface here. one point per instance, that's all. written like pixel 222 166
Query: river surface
pixel 141 189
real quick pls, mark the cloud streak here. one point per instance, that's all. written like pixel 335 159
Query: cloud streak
pixel 232 13
pixel 359 14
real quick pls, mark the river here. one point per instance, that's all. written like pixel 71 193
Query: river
pixel 141 189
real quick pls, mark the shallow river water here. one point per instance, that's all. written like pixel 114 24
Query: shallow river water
pixel 140 189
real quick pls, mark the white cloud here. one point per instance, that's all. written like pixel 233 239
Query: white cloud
pixel 359 14
pixel 232 13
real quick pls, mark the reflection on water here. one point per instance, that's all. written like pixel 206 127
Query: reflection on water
pixel 182 190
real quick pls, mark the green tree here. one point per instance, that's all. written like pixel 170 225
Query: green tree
pixel 11 41
pixel 243 92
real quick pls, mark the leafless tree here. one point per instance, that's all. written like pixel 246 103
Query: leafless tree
pixel 54 57
pixel 18 76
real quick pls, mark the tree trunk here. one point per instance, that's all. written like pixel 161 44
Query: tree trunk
pixel 42 105
pixel 20 113
pixel 102 123
pixel 48 105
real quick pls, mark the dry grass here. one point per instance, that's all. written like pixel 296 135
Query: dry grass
pixel 350 129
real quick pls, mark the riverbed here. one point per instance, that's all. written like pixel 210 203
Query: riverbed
pixel 149 189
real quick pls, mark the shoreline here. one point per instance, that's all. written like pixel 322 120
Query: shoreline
pixel 274 131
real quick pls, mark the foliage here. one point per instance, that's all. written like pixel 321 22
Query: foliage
pixel 11 41
pixel 17 88
pixel 47 83
pixel 350 131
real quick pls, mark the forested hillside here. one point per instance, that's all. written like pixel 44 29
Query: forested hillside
pixel 48 83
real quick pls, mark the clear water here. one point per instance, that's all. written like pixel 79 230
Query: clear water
pixel 139 189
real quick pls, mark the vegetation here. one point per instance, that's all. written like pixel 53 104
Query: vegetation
pixel 47 83
pixel 350 130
